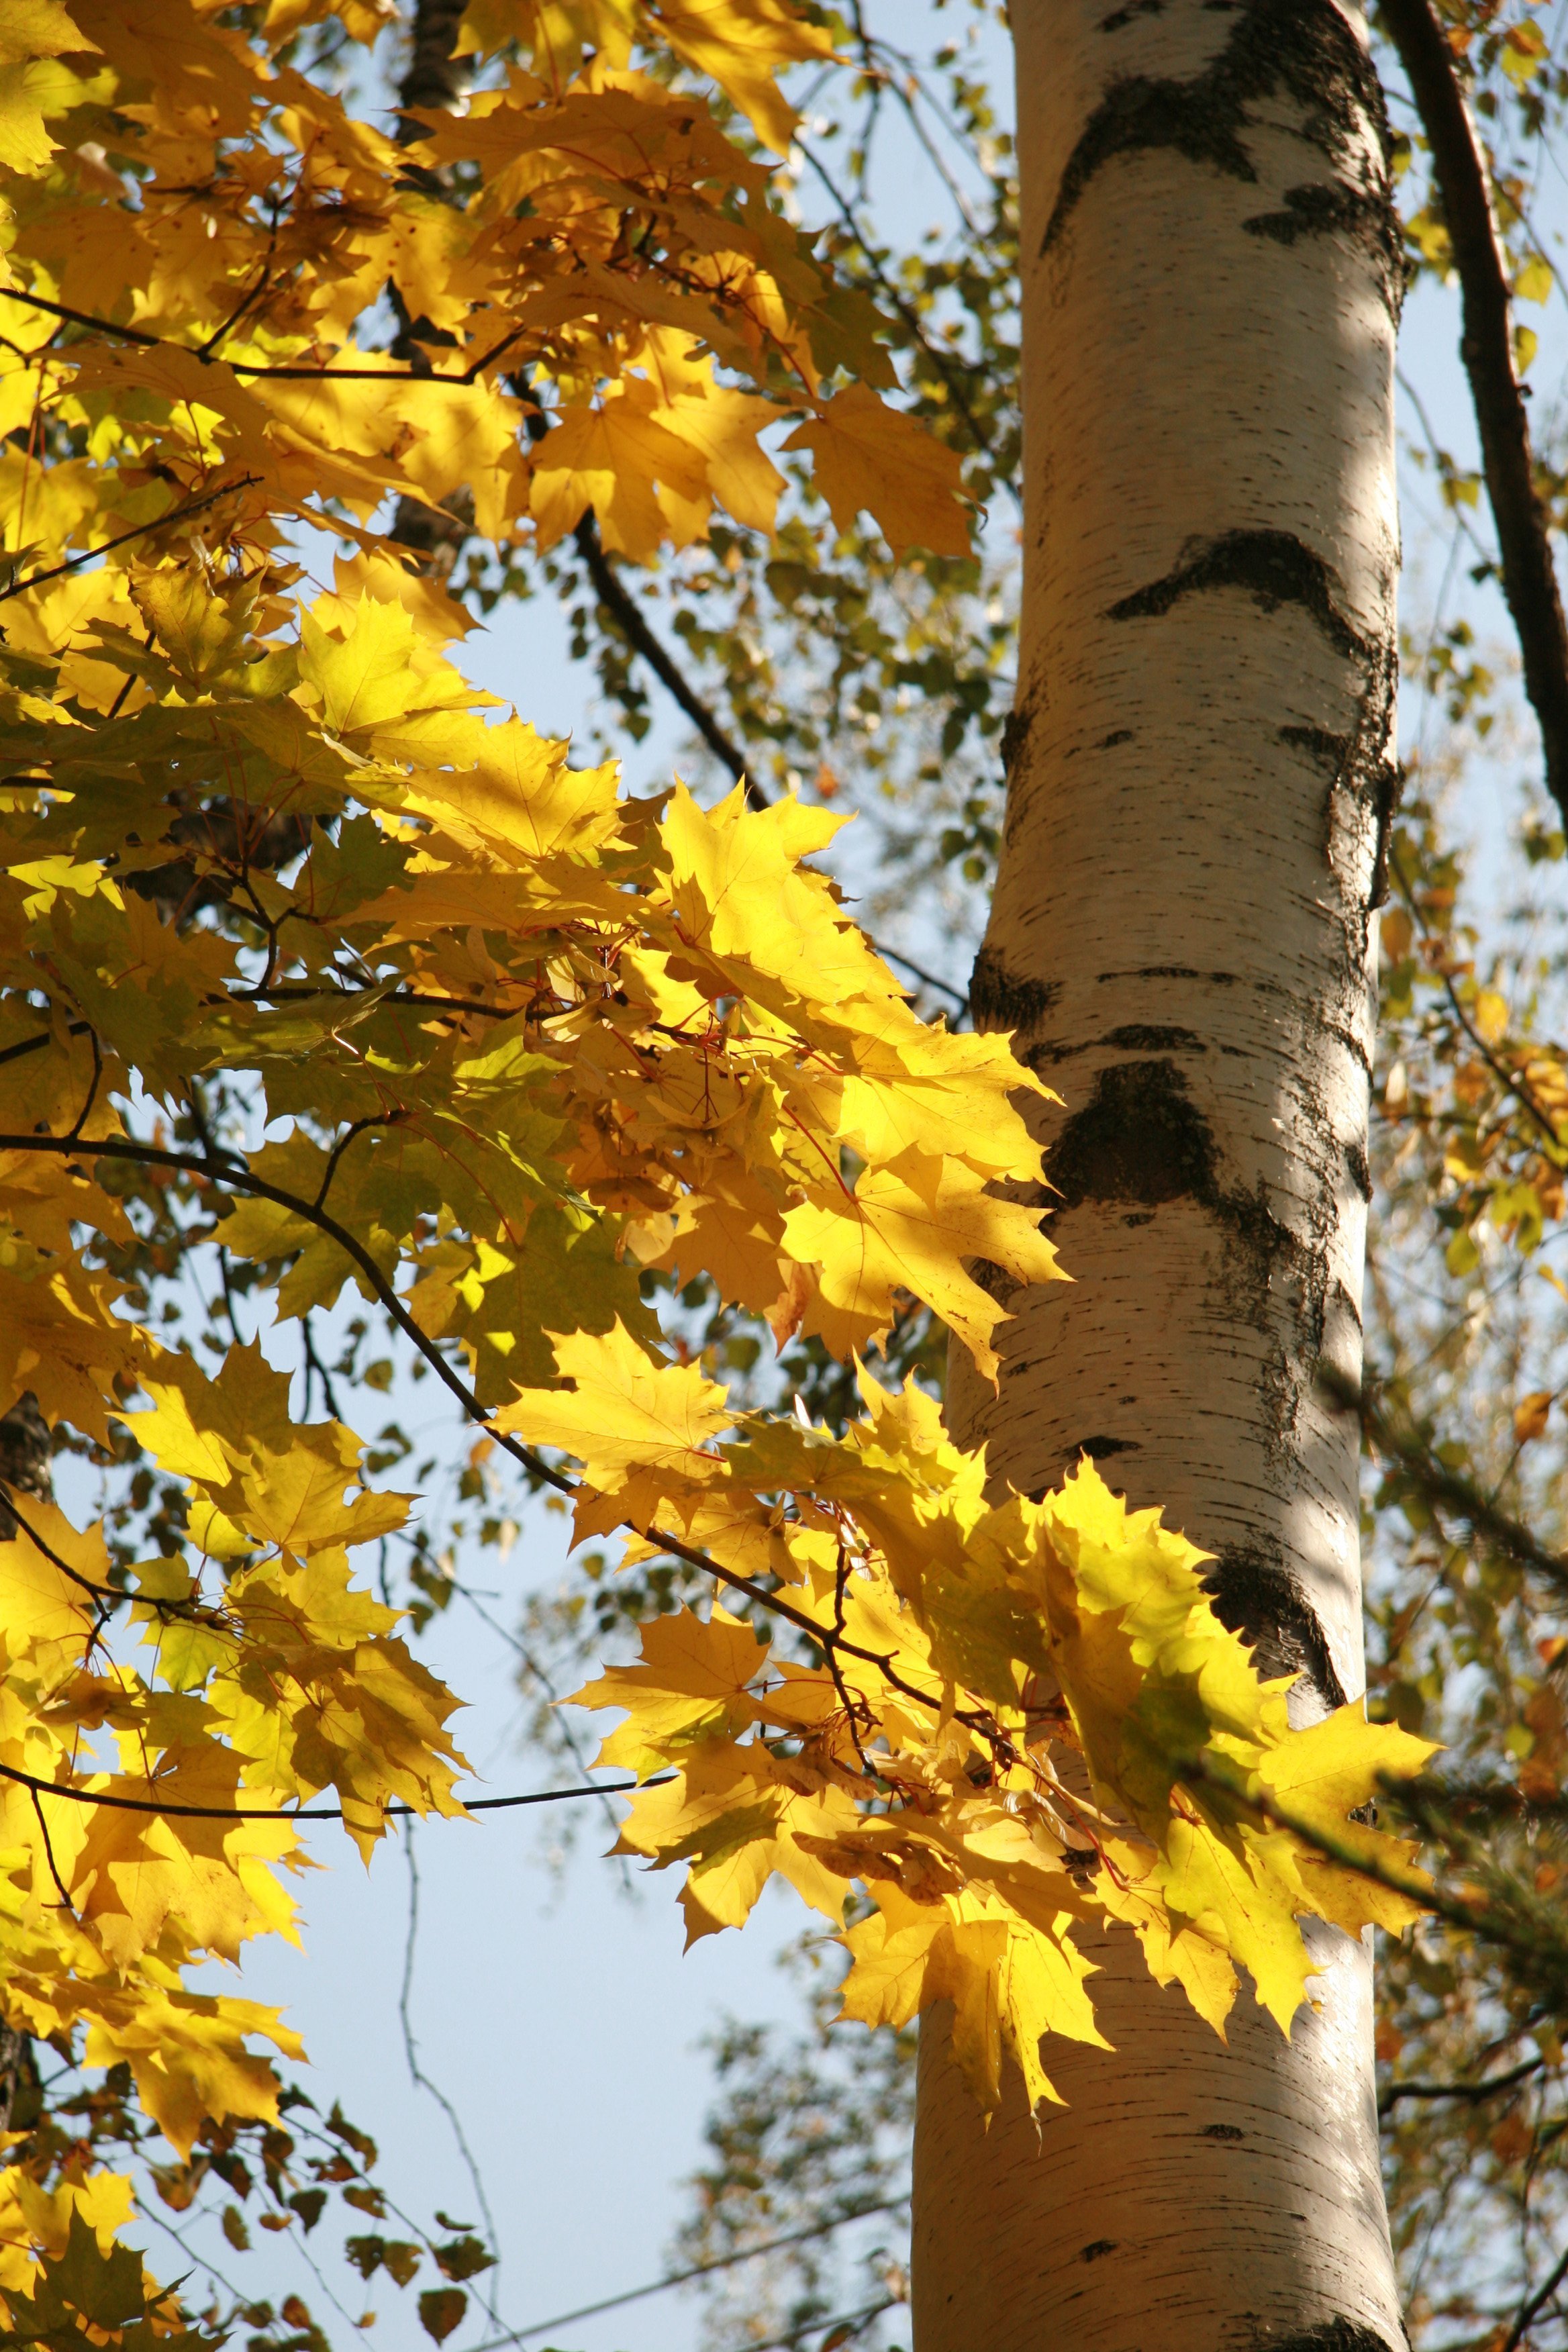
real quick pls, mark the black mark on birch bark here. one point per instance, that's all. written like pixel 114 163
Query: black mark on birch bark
pixel 1139 1138
pixel 1255 1594
pixel 1100 1449
pixel 1141 1141
pixel 1014 736
pixel 1147 1037
pixel 1000 999
pixel 1326 750
pixel 1391 786
pixel 1221 2131
pixel 1101 2246
pixel 1274 567
pixel 1177 971
pixel 1133 1037
pixel 21 2092
pixel 1338 2334
pixel 1304 47
pixel 1359 1166
pixel 25 1457
pixel 993 1279
pixel 1360 216
pixel 1278 571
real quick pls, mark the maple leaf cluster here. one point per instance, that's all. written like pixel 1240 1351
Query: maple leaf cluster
pixel 519 1039
pixel 1028 1717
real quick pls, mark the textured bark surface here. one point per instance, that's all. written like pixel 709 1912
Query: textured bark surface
pixel 1182 938
pixel 25 1470
pixel 24 1459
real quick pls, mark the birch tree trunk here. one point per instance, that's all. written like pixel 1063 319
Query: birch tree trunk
pixel 1182 938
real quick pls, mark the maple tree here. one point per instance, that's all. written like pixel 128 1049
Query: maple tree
pixel 538 1044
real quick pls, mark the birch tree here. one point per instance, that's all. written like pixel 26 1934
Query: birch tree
pixel 1182 941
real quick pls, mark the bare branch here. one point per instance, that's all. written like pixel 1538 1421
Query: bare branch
pixel 1529 574
pixel 295 1813
pixel 627 615
pixel 1471 2093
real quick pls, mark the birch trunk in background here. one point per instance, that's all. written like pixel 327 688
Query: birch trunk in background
pixel 1182 940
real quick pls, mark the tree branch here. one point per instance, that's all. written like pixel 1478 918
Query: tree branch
pixel 434 79
pixel 284 372
pixel 632 624
pixel 1529 573
pixel 234 1172
pixel 1530 2311
pixel 123 538
pixel 293 1813
pixel 628 617
pixel 1471 2093
pixel 1441 1484
pixel 703 2270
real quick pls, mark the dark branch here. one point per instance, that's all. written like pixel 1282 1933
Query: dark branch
pixel 719 2262
pixel 293 1813
pixel 629 618
pixel 1440 1485
pixel 1471 2093
pixel 626 614
pixel 283 372
pixel 1529 574
pixel 1530 2311
pixel 434 79
pixel 123 538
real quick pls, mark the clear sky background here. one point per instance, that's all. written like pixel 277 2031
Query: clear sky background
pixel 554 2010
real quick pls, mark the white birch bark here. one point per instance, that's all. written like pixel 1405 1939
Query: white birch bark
pixel 1182 940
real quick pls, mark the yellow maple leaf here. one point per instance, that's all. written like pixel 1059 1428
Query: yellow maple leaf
pixel 611 458
pixel 135 1869
pixel 736 1816
pixel 32 31
pixel 741 895
pixel 1009 1984
pixel 694 1680
pixel 41 1604
pixel 721 425
pixel 866 454
pixel 36 28
pixel 624 1413
pixel 908 1226
pixel 742 44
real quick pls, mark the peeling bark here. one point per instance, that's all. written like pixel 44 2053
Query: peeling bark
pixel 1199 792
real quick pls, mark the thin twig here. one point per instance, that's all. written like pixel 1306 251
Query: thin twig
pixel 1530 2311
pixel 275 370
pixel 1441 1484
pixel 49 1851
pixel 1486 346
pixel 242 1179
pixel 422 2082
pixel 703 2270
pixel 314 1365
